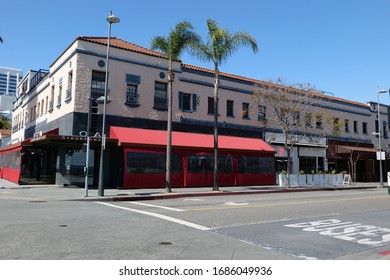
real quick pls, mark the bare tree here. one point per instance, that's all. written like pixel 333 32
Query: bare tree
pixel 292 109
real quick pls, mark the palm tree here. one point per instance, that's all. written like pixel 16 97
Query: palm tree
pixel 172 46
pixel 1 40
pixel 219 46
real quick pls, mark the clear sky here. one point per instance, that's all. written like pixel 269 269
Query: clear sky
pixel 339 46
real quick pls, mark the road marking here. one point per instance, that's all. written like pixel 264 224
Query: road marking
pixel 289 203
pixel 164 217
pixel 157 206
pixel 348 231
pixel 231 203
pixel 193 199
pixel 7 192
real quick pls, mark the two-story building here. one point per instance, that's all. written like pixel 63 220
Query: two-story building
pixel 53 107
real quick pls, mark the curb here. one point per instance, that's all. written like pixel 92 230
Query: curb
pixel 173 195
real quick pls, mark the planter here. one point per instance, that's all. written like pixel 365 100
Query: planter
pixel 302 179
pixel 283 180
pixel 311 179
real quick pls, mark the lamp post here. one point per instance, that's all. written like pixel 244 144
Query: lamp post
pixel 379 141
pixel 111 19
pixel 86 171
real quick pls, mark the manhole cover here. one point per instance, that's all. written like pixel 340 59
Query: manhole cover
pixel 63 225
pixel 165 243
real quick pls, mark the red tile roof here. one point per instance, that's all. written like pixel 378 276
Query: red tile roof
pixel 259 82
pixel 121 44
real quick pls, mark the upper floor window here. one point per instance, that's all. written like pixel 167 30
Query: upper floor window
pixel 336 124
pixel 230 108
pixel 245 110
pixel 318 121
pixel 98 84
pixel 187 102
pixel 262 114
pixel 51 104
pixel 308 120
pixel 355 126
pixel 346 125
pixel 69 88
pixel 132 94
pixel 210 105
pixel 364 127
pixel 296 117
pixel 59 96
pixel 160 96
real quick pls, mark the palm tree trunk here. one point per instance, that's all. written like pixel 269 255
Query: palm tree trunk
pixel 168 187
pixel 216 85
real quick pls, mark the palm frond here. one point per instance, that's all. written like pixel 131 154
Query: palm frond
pixel 221 44
pixel 179 39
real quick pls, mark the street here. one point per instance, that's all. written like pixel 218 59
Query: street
pixel 351 224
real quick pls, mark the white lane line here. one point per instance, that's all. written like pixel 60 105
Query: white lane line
pixel 167 218
pixel 157 206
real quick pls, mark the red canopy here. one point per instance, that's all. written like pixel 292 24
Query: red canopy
pixel 147 137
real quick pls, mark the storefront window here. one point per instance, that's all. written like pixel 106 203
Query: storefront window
pixel 307 164
pixel 15 165
pixel 7 160
pixel 255 165
pixel 204 164
pixel 153 163
pixel 75 163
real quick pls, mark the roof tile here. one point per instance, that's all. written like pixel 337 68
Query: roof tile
pixel 121 44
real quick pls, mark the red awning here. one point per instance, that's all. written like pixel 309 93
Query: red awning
pixel 146 137
pixel 348 149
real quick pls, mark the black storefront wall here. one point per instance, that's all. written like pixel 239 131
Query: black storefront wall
pixel 38 165
pixel 60 160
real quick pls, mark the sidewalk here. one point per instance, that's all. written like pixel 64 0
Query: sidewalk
pixel 54 192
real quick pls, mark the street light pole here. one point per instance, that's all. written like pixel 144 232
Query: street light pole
pixel 379 142
pixel 88 148
pixel 111 19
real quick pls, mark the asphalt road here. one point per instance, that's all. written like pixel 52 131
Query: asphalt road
pixel 305 225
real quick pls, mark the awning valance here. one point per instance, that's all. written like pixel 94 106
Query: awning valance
pixel 147 137
pixel 348 149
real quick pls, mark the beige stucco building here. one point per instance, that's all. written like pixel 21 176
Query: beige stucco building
pixel 51 113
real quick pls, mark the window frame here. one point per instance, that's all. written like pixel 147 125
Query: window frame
pixel 230 108
pixel 160 103
pixel 364 128
pixel 245 110
pixel 133 93
pixel 188 102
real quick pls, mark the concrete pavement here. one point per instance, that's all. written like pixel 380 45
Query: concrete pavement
pixel 54 192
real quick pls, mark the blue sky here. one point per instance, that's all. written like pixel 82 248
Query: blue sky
pixel 342 47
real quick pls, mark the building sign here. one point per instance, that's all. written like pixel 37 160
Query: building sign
pixel 281 152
